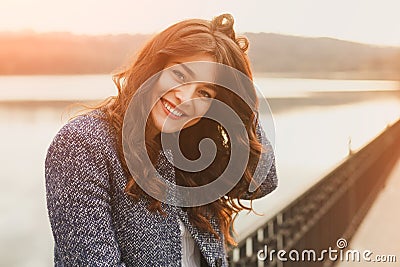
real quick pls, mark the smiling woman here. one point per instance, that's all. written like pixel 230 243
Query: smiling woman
pixel 99 213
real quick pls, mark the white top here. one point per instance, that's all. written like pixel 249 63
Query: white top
pixel 190 251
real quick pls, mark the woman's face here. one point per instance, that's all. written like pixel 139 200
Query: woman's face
pixel 183 104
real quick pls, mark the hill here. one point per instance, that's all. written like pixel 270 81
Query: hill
pixel 66 53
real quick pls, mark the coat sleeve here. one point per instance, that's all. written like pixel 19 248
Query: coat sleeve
pixel 78 201
pixel 264 176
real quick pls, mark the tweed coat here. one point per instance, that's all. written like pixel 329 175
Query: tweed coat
pixel 94 223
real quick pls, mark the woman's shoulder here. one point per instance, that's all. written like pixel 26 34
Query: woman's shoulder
pixel 91 126
pixel 90 130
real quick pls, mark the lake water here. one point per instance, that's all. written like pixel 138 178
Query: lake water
pixel 315 123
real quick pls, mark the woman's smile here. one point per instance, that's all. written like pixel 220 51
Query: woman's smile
pixel 171 110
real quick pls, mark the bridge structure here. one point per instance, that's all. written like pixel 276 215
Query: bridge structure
pixel 327 215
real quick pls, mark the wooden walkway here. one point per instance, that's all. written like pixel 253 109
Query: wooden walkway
pixel 379 232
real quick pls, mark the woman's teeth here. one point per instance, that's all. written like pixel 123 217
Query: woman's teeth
pixel 172 110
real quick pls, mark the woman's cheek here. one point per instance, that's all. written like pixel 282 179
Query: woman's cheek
pixel 202 107
pixel 169 82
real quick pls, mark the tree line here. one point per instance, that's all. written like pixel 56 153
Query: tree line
pixel 66 53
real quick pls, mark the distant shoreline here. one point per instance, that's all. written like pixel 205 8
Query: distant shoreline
pixel 279 55
pixel 349 75
pixel 277 104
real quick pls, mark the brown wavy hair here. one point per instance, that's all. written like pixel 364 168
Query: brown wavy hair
pixel 187 38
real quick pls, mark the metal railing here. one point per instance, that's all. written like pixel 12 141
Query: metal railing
pixel 331 209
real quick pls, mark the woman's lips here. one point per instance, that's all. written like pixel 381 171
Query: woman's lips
pixel 171 110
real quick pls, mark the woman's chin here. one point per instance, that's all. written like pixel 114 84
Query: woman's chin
pixel 166 125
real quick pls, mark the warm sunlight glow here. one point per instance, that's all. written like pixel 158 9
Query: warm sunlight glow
pixel 367 21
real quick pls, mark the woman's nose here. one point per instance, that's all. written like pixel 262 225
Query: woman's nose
pixel 185 92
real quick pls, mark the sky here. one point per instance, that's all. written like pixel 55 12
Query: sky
pixel 366 21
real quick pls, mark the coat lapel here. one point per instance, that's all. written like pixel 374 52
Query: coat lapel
pixel 211 248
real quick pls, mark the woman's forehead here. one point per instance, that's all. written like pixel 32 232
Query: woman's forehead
pixel 195 57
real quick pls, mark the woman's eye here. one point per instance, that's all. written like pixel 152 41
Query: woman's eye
pixel 204 93
pixel 179 75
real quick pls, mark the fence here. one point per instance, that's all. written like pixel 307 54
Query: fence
pixel 331 209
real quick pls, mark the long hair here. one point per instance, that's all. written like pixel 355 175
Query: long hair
pixel 187 38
